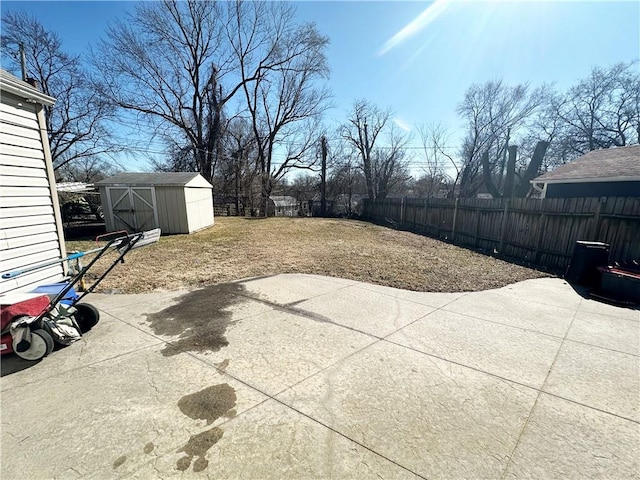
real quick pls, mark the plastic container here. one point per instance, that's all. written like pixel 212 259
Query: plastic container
pixel 52 289
pixel 586 258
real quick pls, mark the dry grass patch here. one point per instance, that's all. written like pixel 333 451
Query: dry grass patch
pixel 238 248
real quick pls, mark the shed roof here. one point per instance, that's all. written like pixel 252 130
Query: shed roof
pixel 617 164
pixel 168 179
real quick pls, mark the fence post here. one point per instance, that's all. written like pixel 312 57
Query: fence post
pixel 455 220
pixel 597 222
pixel 424 216
pixel 540 239
pixel 402 207
pixel 477 228
pixel 503 225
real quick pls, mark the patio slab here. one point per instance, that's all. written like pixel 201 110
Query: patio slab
pixel 299 376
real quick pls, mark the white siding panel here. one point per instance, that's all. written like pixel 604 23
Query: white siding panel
pixel 27 230
pixel 18 151
pixel 9 202
pixel 7 139
pixel 31 280
pixel 28 221
pixel 14 217
pixel 25 191
pixel 18 263
pixel 22 172
pixel 22 240
pixel 26 121
pixel 18 132
pixel 15 161
pixel 7 181
pixel 29 252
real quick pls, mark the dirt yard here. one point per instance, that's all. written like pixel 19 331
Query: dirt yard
pixel 236 248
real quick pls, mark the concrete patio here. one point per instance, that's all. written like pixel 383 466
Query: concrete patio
pixel 300 376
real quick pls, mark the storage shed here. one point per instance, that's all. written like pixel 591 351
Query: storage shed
pixel 173 202
pixel 30 221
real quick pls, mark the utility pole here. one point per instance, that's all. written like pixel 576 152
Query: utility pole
pixel 323 178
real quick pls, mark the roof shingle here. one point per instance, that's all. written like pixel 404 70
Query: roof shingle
pixel 621 163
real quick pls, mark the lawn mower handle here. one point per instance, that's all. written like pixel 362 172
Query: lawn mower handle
pixel 73 256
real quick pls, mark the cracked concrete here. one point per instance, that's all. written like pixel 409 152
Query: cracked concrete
pixel 299 376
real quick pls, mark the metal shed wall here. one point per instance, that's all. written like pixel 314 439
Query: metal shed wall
pixel 172 210
pixel 199 205
pixel 30 225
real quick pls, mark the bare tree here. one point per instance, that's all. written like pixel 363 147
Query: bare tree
pixel 602 110
pixel 389 164
pixel 167 63
pixel 86 169
pixel 282 67
pixel 442 168
pixel 496 115
pixel 362 130
pixel 76 123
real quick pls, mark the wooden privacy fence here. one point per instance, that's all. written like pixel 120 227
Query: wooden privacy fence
pixel 539 232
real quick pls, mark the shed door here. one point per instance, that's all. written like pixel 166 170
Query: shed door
pixel 133 208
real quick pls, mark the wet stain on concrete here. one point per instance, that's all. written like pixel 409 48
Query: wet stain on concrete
pixel 209 404
pixel 148 448
pixel 222 366
pixel 119 461
pixel 199 319
pixel 197 446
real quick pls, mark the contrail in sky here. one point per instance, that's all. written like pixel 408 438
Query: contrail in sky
pixel 432 12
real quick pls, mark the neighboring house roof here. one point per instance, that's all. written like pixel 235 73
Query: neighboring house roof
pixel 283 201
pixel 617 164
pixel 169 179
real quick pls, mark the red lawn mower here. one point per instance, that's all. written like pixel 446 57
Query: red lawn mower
pixel 32 323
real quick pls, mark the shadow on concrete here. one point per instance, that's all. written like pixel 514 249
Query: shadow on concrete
pixel 595 293
pixel 11 363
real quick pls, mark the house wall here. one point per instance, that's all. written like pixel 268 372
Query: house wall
pixel 30 227
pixel 199 207
pixel 593 189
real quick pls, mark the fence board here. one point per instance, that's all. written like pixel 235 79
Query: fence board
pixel 541 232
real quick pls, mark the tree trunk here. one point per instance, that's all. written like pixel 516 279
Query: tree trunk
pixel 524 186
pixel 486 174
pixel 323 180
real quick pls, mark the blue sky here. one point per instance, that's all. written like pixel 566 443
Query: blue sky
pixel 419 57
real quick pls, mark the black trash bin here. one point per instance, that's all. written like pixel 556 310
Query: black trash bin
pixel 586 258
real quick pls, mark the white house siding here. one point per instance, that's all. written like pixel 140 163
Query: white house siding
pixel 199 208
pixel 28 230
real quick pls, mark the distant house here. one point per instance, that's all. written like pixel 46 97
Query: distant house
pixel 613 172
pixel 282 206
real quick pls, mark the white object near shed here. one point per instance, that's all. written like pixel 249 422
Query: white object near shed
pixel 30 222
pixel 174 202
